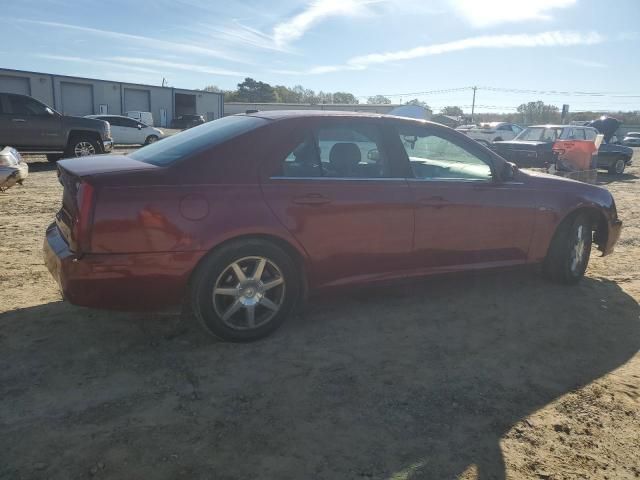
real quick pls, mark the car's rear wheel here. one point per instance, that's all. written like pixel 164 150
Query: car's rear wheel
pixel 82 146
pixel 617 166
pixel 151 139
pixel 245 290
pixel 568 255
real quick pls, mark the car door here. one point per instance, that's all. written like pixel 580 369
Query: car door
pixel 135 134
pixel 32 124
pixel 465 216
pixel 336 189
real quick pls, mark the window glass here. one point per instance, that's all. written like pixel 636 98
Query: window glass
pixel 433 157
pixel 113 121
pixel 129 122
pixel 350 150
pixel 196 139
pixel 26 106
pixel 577 134
pixel 590 134
pixel 540 134
pixel 504 127
pixel 516 129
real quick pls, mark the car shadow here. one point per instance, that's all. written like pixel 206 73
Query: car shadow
pixel 607 178
pixel 411 381
pixel 41 166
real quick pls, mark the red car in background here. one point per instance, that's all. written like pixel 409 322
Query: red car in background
pixel 242 216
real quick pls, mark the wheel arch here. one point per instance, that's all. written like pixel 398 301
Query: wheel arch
pixel 599 224
pixel 298 256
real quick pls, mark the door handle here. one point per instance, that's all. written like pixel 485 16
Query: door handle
pixel 436 201
pixel 312 199
pixel 18 120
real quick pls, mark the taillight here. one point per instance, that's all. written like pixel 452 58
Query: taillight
pixel 82 226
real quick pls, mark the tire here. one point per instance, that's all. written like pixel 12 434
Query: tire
pixel 566 259
pixel 499 139
pixel 53 157
pixel 227 314
pixel 617 166
pixel 151 139
pixel 82 145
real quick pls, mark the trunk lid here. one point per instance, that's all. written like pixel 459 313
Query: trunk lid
pixel 79 194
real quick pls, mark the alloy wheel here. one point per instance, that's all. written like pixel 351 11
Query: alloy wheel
pixel 619 166
pixel 579 249
pixel 249 293
pixel 82 149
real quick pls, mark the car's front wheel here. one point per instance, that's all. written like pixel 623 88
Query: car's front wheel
pixel 245 290
pixel 570 249
pixel 151 139
pixel 617 166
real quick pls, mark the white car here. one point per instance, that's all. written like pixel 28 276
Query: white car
pixel 632 139
pixel 494 132
pixel 127 131
pixel 12 168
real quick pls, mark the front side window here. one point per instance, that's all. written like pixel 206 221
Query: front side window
pixel 197 139
pixel 26 106
pixel 516 129
pixel 434 157
pixel 351 150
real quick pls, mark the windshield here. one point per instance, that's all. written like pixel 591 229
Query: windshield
pixel 540 134
pixel 196 139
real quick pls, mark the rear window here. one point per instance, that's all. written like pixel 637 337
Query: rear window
pixel 194 140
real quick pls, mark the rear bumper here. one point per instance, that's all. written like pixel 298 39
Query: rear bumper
pixel 140 281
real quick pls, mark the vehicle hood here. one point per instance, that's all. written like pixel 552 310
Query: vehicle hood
pixel 606 126
pixel 101 164
pixel 83 122
pixel 557 183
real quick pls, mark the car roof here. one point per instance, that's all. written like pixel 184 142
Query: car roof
pixel 561 126
pixel 110 115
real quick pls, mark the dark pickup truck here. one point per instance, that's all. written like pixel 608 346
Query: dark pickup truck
pixel 533 148
pixel 33 127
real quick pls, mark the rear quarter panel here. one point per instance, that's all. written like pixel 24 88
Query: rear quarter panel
pixel 192 205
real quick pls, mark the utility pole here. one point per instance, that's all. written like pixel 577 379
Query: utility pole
pixel 473 103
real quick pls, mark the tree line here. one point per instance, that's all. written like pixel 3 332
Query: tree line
pixel 254 91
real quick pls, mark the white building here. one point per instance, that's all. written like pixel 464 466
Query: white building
pixel 87 96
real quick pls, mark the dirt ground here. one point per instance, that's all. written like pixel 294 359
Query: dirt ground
pixel 497 375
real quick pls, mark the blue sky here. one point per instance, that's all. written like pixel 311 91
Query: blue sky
pixel 365 47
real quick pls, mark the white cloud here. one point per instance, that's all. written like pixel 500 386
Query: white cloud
pixel 139 40
pixel 151 62
pixel 545 39
pixel 291 29
pixel 585 63
pixel 90 61
pixel 485 13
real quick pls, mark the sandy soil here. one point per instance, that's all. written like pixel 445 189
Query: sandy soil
pixel 497 375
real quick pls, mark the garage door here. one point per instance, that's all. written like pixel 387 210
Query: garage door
pixel 136 100
pixel 77 98
pixel 10 84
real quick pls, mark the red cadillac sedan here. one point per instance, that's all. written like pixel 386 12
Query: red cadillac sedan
pixel 243 216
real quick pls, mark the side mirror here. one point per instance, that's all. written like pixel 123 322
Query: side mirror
pixel 49 111
pixel 139 127
pixel 509 171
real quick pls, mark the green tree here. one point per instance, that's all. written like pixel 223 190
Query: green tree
pixel 453 111
pixel 251 90
pixel 538 112
pixel 378 100
pixel 344 97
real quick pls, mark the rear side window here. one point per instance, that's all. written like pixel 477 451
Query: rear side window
pixel 347 150
pixel 196 139
pixel 590 134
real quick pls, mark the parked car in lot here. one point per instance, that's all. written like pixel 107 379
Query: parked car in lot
pixel 142 117
pixel 631 139
pixel 187 121
pixel 127 131
pixel 12 168
pixel 242 216
pixel 33 127
pixel 533 148
pixel 493 132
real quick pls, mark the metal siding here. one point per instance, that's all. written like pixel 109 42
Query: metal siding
pixel 11 84
pixel 136 100
pixel 77 98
